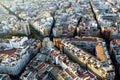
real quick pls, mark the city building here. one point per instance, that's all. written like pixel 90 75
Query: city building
pixel 88 27
pixel 15 55
pixel 99 64
pixel 11 24
pixel 74 39
pixel 67 17
pixel 36 69
pixel 4 77
pixel 17 42
pixel 115 52
pixel 47 43
pixel 43 23
pixel 111 32
pixel 70 69
pixel 107 15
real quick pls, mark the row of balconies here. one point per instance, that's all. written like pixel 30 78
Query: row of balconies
pixel 83 58
pixel 73 67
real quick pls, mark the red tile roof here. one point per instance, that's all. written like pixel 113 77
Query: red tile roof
pixel 80 73
pixel 40 66
pixel 90 74
pixel 9 52
pixel 85 39
pixel 53 53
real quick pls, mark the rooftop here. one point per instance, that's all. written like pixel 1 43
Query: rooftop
pixel 8 52
pixel 87 58
pixel 99 51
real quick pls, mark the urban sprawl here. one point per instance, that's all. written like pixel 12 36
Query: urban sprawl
pixel 60 40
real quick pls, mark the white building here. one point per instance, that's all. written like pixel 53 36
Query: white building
pixel 16 42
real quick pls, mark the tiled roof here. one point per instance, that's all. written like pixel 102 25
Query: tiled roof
pixel 99 51
pixel 53 53
pixel 9 52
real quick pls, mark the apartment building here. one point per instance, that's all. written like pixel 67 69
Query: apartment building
pixel 4 77
pixel 11 24
pixel 70 69
pixel 115 52
pixel 88 27
pixel 107 14
pixel 67 17
pixel 43 23
pixel 100 64
pixel 14 57
pixel 111 32
pixel 36 69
